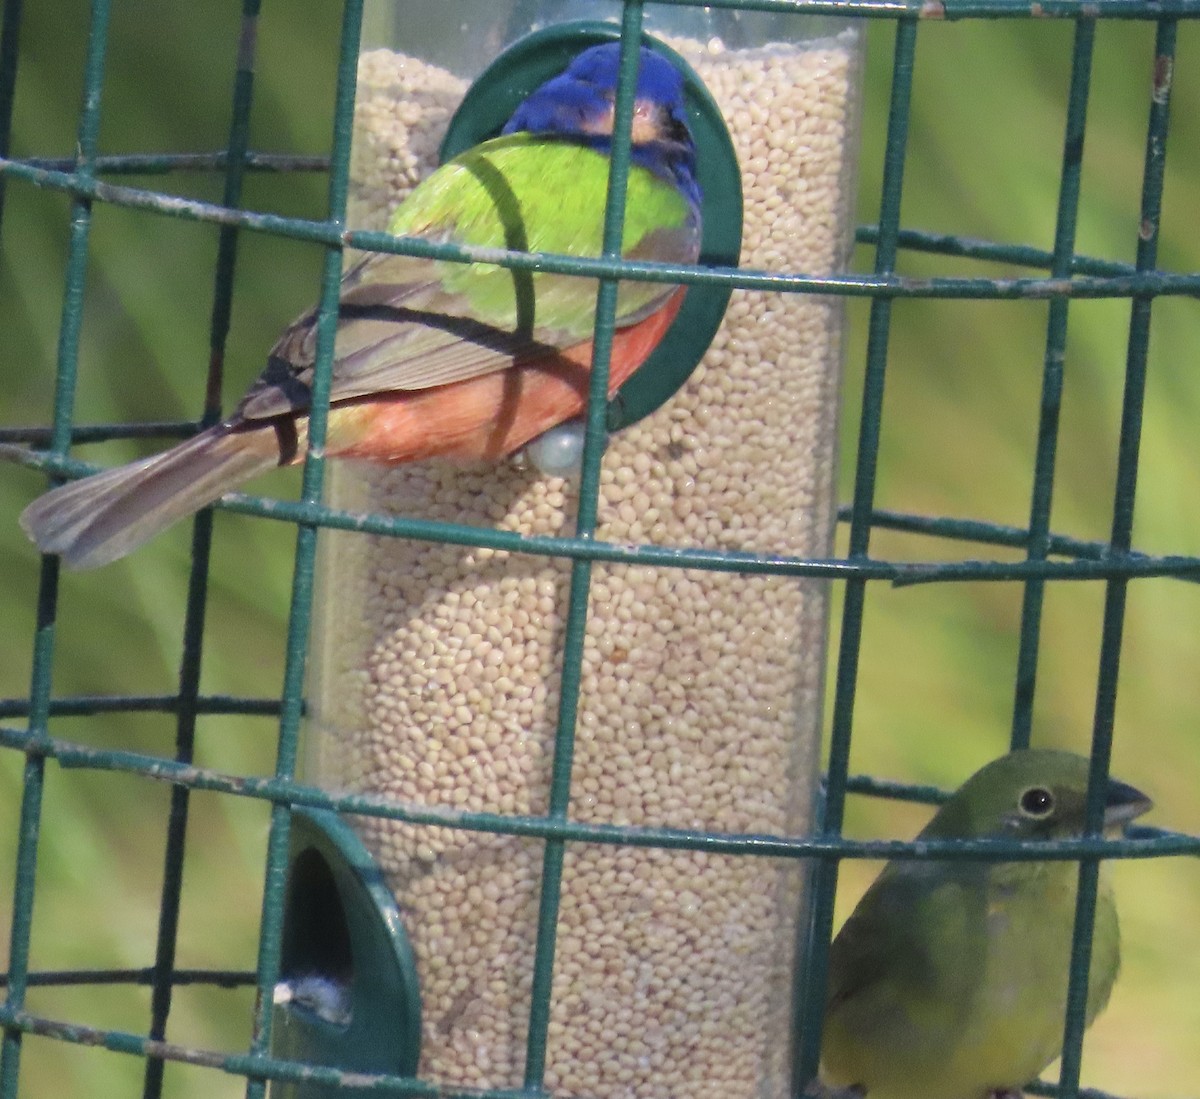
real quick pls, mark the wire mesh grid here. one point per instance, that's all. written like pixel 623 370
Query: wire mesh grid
pixel 1045 555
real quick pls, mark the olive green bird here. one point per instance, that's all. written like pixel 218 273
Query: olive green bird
pixel 949 980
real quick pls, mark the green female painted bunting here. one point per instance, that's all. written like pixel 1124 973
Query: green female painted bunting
pixel 949 980
pixel 443 360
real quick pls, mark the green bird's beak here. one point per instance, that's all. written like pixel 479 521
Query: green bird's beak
pixel 1123 804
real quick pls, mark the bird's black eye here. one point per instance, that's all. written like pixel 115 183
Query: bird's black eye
pixel 1037 802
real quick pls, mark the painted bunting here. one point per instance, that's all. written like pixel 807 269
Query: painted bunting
pixel 949 980
pixel 436 359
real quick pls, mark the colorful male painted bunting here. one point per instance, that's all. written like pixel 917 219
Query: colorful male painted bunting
pixel 443 360
pixel 949 980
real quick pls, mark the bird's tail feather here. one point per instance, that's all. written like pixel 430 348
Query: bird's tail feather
pixel 98 519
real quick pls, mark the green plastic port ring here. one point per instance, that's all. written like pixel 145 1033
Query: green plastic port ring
pixel 348 996
pixel 533 60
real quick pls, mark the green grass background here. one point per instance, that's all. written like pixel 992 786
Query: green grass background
pixel 934 697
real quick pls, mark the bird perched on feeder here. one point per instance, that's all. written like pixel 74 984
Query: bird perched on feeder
pixel 949 980
pixel 467 362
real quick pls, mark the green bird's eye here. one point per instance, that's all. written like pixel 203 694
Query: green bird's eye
pixel 1037 802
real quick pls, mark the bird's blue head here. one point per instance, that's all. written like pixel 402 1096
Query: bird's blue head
pixel 579 104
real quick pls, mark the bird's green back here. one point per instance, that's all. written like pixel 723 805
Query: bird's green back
pixel 528 193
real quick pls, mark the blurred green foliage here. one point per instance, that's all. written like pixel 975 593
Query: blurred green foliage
pixel 935 692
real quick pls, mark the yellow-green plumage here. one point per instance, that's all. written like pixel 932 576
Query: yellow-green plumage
pixel 949 980
pixel 527 193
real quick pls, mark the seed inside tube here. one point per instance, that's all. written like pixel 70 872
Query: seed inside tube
pixel 436 670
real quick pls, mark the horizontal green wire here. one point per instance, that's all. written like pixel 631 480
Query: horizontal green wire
pixel 1143 565
pixel 1022 255
pixel 140 164
pixel 242 1064
pixel 913 240
pixel 102 433
pixel 969 530
pixel 1145 843
pixel 87 705
pixel 55 978
pixel 285 1070
pixel 1144 284
pixel 1096 566
pixel 987 533
pixel 965 9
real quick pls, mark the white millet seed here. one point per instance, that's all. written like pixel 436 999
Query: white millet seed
pixel 437 666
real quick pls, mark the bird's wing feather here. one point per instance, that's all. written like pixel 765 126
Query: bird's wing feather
pixel 408 323
pixel 895 937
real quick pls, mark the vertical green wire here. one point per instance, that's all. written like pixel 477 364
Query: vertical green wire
pixel 10 1042
pixel 814 969
pixel 1120 541
pixel 10 31
pixel 43 645
pixel 581 568
pixel 271 931
pixel 1038 546
pixel 193 630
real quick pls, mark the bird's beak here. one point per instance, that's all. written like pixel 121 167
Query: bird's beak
pixel 1124 803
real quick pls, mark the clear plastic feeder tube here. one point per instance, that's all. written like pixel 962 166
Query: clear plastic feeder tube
pixel 436 669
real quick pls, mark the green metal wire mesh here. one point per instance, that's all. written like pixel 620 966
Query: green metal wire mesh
pixel 1045 555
